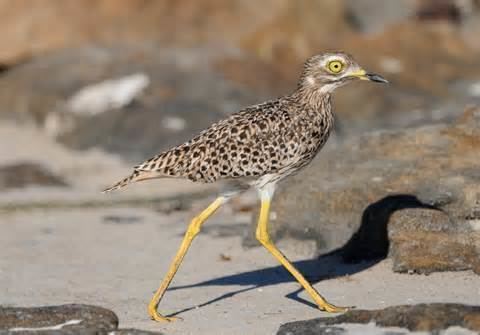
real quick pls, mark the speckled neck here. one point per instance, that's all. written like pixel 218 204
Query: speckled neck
pixel 313 98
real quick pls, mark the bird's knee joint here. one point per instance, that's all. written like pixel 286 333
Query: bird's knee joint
pixel 263 238
pixel 193 228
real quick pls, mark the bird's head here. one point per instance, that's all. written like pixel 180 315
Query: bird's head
pixel 325 72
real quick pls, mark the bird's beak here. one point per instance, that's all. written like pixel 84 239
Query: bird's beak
pixel 363 75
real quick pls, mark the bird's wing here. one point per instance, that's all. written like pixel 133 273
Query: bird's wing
pixel 246 144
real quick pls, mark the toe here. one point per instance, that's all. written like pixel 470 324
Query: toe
pixel 329 308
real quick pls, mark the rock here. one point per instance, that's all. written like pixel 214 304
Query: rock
pixel 257 54
pixel 273 38
pixel 425 241
pixel 69 319
pixel 430 318
pixel 43 26
pixel 371 16
pixel 185 95
pixel 413 194
pixel 27 174
pixel 62 320
pixel 451 10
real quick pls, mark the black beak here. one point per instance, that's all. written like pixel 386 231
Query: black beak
pixel 376 78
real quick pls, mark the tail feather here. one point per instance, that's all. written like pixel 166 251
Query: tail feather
pixel 137 175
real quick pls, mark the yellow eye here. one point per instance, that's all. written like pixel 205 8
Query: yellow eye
pixel 335 66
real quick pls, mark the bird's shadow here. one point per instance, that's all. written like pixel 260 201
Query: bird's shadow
pixel 367 246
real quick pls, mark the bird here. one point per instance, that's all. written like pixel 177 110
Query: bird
pixel 257 147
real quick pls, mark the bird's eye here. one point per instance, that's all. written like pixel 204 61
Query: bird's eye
pixel 335 66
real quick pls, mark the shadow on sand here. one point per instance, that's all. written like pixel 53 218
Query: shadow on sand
pixel 366 247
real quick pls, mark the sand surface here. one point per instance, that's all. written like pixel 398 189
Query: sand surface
pixel 79 256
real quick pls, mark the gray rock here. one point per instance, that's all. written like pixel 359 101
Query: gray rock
pixel 430 318
pixel 63 319
pixel 190 88
pixel 413 194
pixel 26 174
pixel 373 16
pixel 184 96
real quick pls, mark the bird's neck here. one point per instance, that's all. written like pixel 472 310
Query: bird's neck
pixel 313 98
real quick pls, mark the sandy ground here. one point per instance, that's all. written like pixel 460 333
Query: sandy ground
pixel 79 256
pixel 115 256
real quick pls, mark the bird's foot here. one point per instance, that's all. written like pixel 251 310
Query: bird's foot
pixel 152 311
pixel 329 308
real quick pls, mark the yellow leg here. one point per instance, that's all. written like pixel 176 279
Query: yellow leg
pixel 192 231
pixel 264 238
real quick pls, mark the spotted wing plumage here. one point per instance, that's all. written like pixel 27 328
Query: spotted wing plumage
pixel 269 138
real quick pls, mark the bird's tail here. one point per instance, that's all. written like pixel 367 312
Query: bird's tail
pixel 137 175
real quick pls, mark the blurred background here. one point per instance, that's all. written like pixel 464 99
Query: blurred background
pixel 88 88
pixel 137 76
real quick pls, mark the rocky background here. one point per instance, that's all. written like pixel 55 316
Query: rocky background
pixel 91 87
